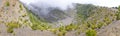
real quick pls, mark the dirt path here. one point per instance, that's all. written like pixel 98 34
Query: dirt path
pixel 0 2
pixel 111 30
pixel 28 32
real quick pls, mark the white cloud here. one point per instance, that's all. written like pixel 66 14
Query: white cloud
pixel 108 3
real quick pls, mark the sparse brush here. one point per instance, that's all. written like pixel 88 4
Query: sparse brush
pixel 7 4
pixel 11 26
pixel 20 7
pixel 91 32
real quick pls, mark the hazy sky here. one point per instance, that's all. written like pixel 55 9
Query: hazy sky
pixel 107 3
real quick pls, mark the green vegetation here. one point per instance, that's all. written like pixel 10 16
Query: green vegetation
pixel 107 20
pixel 11 26
pixel 88 16
pixel 71 27
pixel 85 10
pixel 62 31
pixel 91 32
pixel 93 17
pixel 7 4
pixel 37 24
pixel 20 7
pixel 118 14
pixel 100 24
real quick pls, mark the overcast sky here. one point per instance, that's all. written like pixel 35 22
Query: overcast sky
pixel 107 3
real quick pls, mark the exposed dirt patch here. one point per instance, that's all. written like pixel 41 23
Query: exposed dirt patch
pixel 111 30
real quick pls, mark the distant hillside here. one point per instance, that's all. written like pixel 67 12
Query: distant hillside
pixel 47 12
pixel 94 17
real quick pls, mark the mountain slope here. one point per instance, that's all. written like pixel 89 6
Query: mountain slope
pixel 18 20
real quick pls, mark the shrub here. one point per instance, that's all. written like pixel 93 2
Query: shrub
pixel 20 7
pixel 107 20
pixel 71 27
pixel 62 31
pixel 7 3
pixel 93 26
pixel 11 26
pixel 91 32
pixel 118 14
pixel 100 25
